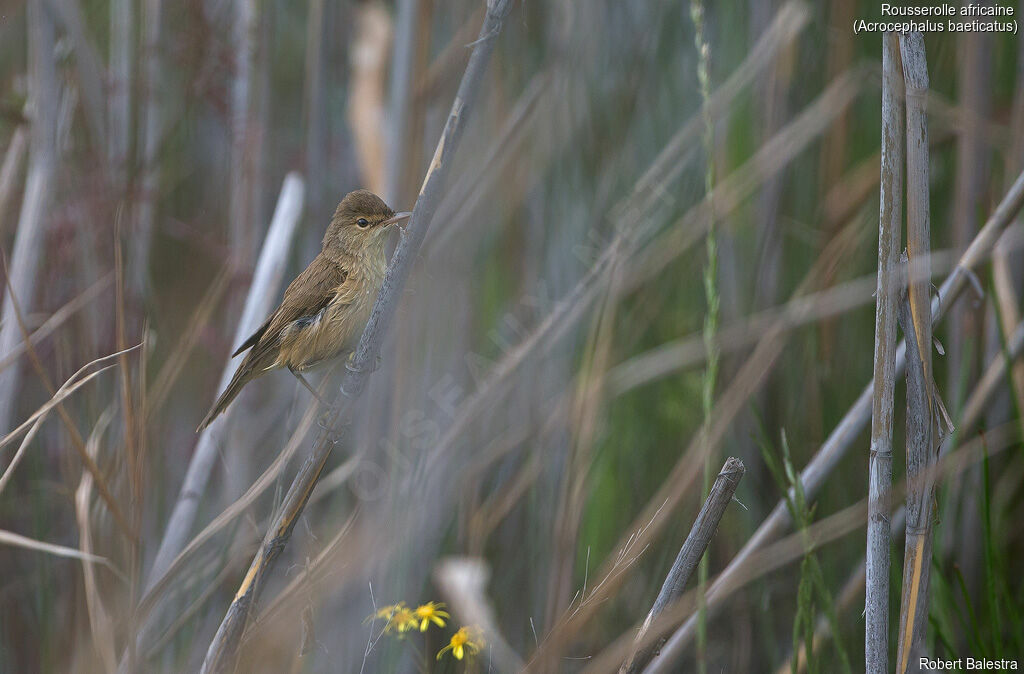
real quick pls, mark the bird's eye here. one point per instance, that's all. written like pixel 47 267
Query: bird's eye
pixel 363 222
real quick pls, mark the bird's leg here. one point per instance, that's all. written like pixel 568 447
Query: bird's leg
pixel 305 383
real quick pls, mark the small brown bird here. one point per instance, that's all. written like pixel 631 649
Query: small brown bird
pixel 326 307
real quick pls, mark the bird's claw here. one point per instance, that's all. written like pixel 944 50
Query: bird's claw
pixel 351 366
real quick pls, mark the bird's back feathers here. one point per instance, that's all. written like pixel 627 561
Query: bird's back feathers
pixel 310 294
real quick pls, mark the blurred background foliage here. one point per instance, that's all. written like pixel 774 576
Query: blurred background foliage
pixel 543 472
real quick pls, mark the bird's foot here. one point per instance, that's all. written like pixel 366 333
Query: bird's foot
pixel 309 387
pixel 350 364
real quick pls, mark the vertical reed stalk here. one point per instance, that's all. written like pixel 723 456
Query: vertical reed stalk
pixel 316 119
pixel 122 27
pixel 1008 256
pixel 403 57
pixel 918 329
pixel 10 170
pixel 89 70
pixel 39 179
pixel 152 121
pixel 965 344
pixel 876 600
pixel 245 36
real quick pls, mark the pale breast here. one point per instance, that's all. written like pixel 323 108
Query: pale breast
pixel 335 330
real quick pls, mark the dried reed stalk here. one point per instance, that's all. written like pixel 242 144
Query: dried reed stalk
pixel 152 131
pixel 245 137
pixel 917 326
pixel 17 148
pixel 876 600
pixel 403 56
pixel 89 69
pixel 39 191
pixel 119 110
pixel 317 137
pixel 368 56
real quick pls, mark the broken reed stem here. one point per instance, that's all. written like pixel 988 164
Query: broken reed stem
pixel 876 599
pixel 223 651
pixel 918 329
pixel 690 554
pixel 842 437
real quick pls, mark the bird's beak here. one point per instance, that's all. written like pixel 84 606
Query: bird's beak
pixel 397 218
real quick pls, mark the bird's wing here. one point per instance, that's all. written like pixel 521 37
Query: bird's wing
pixel 254 337
pixel 310 292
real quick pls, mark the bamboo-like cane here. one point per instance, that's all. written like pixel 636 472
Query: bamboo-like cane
pixel 223 651
pixel 314 97
pixel 853 422
pixel 11 169
pixel 241 194
pixel 88 67
pixel 119 110
pixel 152 130
pixel 690 554
pixel 921 407
pixel 403 55
pixel 876 599
pixel 39 179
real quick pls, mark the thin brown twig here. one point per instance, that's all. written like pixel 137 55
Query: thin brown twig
pixel 100 622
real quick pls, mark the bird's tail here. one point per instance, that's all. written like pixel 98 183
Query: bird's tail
pixel 242 376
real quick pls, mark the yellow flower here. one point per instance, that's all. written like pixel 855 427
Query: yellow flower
pixel 386 612
pixel 403 620
pixel 466 640
pixel 430 613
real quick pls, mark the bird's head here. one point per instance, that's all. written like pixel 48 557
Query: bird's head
pixel 360 221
